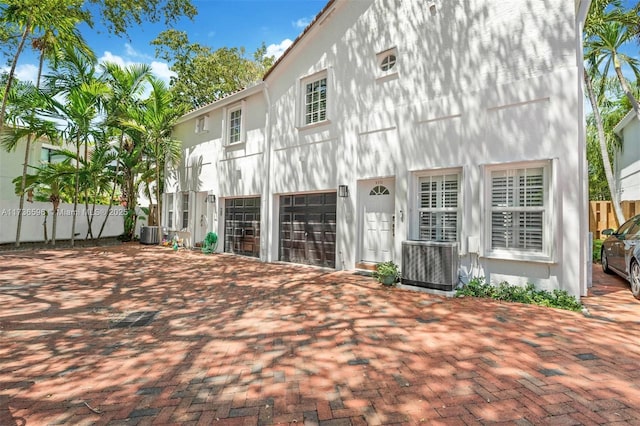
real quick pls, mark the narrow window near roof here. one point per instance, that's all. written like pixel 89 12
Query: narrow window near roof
pixel 235 125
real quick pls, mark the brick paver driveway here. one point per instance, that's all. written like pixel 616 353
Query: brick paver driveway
pixel 145 335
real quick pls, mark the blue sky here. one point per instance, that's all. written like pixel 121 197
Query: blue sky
pixel 219 23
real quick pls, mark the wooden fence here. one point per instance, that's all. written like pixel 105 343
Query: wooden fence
pixel 602 216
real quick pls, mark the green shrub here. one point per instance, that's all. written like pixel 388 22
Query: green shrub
pixel 477 287
pixel 597 247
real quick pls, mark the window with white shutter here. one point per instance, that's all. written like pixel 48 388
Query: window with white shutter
pixel 519 209
pixel 438 207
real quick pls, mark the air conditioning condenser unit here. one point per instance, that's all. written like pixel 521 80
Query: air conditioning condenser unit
pixel 430 264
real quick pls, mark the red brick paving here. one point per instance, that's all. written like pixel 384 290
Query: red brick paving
pixel 239 342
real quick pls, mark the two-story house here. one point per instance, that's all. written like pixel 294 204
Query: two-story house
pixel 446 122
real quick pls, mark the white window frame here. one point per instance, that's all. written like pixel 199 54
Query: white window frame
pixel 53 156
pixel 184 199
pixel 381 57
pixel 302 98
pixel 202 124
pixel 546 253
pixel 441 209
pixel 227 122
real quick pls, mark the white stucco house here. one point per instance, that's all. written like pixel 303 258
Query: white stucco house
pixel 441 133
pixel 626 161
pixel 36 225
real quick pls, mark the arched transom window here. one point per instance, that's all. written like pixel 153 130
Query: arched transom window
pixel 379 190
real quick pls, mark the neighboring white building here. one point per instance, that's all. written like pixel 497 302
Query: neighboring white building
pixel 387 121
pixel 33 214
pixel 627 159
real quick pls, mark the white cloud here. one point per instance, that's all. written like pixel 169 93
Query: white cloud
pixel 211 34
pixel 24 72
pixel 278 49
pixel 162 71
pixel 302 23
pixel 159 69
pixel 133 53
pixel 110 57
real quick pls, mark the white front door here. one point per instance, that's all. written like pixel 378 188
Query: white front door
pixel 377 214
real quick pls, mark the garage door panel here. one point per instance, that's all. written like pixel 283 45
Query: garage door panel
pixel 242 226
pixel 307 229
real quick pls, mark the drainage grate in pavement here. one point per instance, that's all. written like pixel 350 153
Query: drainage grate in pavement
pixel 586 356
pixel 136 319
pixel 551 372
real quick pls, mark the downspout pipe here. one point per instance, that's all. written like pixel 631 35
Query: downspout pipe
pixel 267 202
pixel 585 265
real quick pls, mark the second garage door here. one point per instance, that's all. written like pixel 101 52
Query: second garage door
pixel 242 226
pixel 308 229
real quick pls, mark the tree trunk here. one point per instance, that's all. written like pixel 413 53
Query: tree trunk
pixel 86 198
pixel 75 194
pixel 625 87
pixel 23 184
pixel 115 184
pixel 158 215
pixel 604 151
pixel 14 63
pixel 54 222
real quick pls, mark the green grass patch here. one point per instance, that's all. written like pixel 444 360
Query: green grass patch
pixel 477 287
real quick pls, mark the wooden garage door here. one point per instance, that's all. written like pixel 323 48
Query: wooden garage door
pixel 242 226
pixel 308 229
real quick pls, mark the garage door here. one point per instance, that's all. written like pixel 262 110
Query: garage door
pixel 308 229
pixel 242 226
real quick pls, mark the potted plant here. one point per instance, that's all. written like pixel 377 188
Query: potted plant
pixel 386 273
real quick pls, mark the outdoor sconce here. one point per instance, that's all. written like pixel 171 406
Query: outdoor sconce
pixel 211 198
pixel 343 191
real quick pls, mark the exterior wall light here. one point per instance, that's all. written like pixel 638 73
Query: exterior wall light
pixel 343 191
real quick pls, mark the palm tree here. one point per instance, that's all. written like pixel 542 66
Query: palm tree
pixel 25 100
pixel 126 86
pixel 32 16
pixel 50 181
pixel 75 81
pixel 600 49
pixel 604 42
pixel 155 122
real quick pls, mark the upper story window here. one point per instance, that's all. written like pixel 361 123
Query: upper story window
pixel 202 124
pixel 387 62
pixel 439 206
pixel 520 209
pixel 233 127
pixel 315 101
pixel 51 155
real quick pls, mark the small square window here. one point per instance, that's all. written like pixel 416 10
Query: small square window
pixel 201 124
pixel 387 62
